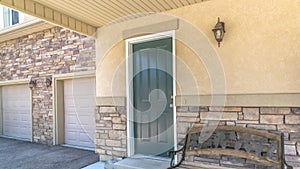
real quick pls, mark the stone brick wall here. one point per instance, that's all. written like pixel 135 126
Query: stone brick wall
pixel 110 136
pixel 286 120
pixel 40 55
pixel 111 128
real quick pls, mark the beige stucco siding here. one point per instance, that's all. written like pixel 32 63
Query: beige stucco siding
pixel 112 72
pixel 260 51
pixel 259 54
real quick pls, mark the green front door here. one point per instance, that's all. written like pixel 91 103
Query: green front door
pixel 152 91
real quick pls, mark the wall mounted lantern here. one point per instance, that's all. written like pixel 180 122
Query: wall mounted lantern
pixel 219 31
pixel 32 83
pixel 48 81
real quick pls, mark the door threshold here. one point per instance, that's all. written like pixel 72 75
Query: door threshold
pixel 140 161
pixel 78 147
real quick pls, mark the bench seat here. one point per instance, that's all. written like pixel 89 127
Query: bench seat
pixel 259 147
pixel 193 165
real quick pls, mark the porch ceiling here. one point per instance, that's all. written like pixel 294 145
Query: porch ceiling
pixel 85 16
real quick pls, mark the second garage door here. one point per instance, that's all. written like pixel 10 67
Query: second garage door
pixel 79 105
pixel 16 112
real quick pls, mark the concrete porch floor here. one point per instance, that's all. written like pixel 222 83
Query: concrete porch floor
pixel 25 155
pixel 149 162
pixel 141 162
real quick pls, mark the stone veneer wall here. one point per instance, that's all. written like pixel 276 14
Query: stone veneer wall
pixel 286 120
pixel 111 127
pixel 40 55
pixel 110 136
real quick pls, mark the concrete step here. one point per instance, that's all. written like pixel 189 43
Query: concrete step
pixel 140 162
pixel 151 162
pixel 97 165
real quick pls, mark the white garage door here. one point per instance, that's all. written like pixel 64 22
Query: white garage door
pixel 79 102
pixel 16 111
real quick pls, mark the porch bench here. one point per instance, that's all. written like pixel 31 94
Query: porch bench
pixel 257 147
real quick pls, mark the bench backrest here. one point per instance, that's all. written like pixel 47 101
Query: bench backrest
pixel 255 145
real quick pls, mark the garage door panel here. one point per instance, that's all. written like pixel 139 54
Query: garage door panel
pixel 71 111
pixel 82 112
pixel 79 102
pixel 71 136
pixel 84 120
pixel 16 111
pixel 72 119
pixel 24 118
pixel 84 137
pixel 77 110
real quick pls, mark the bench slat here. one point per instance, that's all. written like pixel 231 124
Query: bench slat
pixel 190 165
pixel 237 129
pixel 236 153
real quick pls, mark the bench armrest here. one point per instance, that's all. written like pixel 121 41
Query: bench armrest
pixel 172 154
pixel 286 165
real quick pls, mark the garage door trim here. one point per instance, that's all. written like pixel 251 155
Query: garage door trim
pixel 58 105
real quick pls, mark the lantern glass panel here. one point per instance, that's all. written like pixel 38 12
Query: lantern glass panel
pixel 218 34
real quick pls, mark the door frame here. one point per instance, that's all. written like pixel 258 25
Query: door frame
pixel 129 76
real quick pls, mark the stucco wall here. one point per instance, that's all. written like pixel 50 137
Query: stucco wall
pixel 259 53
